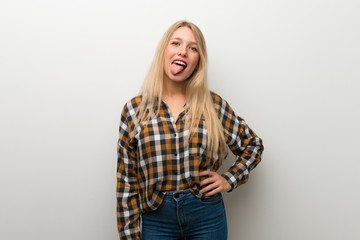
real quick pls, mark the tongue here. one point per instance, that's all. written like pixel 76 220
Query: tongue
pixel 176 69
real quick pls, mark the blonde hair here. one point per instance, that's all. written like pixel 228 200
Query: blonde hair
pixel 198 96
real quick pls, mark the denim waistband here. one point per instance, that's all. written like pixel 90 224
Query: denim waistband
pixel 179 194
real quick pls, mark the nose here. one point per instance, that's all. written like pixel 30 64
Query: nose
pixel 182 51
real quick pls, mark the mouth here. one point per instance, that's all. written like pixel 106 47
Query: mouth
pixel 178 66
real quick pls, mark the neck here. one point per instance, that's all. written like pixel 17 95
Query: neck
pixel 172 88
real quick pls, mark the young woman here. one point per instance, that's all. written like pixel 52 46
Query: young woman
pixel 173 138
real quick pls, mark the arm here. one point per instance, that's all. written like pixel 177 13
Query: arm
pixel 245 145
pixel 243 142
pixel 128 210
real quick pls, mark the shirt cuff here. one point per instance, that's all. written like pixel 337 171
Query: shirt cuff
pixel 235 179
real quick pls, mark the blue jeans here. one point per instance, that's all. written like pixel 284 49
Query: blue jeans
pixel 183 216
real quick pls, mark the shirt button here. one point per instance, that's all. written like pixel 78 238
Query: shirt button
pixel 175 134
pixel 175 153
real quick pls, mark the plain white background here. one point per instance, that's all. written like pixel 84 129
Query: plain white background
pixel 290 68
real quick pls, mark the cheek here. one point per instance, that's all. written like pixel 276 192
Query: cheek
pixel 196 59
pixel 166 60
pixel 167 54
pixel 196 62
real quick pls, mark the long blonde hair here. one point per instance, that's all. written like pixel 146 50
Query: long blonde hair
pixel 198 96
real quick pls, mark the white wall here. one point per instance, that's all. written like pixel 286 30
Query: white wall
pixel 290 68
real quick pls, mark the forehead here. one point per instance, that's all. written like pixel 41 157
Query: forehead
pixel 185 34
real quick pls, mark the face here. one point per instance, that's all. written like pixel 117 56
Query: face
pixel 181 55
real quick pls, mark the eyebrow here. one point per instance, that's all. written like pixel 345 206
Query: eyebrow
pixel 177 38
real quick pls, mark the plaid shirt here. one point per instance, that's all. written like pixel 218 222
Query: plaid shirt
pixel 157 157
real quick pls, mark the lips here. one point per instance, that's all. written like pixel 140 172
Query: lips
pixel 178 66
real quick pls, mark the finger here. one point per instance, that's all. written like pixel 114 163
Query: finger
pixel 210 187
pixel 206 173
pixel 204 182
pixel 207 181
pixel 213 192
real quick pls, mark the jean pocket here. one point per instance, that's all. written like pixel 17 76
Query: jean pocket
pixel 211 200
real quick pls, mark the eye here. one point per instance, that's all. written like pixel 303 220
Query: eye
pixel 193 49
pixel 175 43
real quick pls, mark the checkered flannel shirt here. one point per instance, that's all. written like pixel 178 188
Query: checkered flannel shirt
pixel 156 157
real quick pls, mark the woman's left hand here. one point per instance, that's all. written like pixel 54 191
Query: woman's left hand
pixel 215 183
